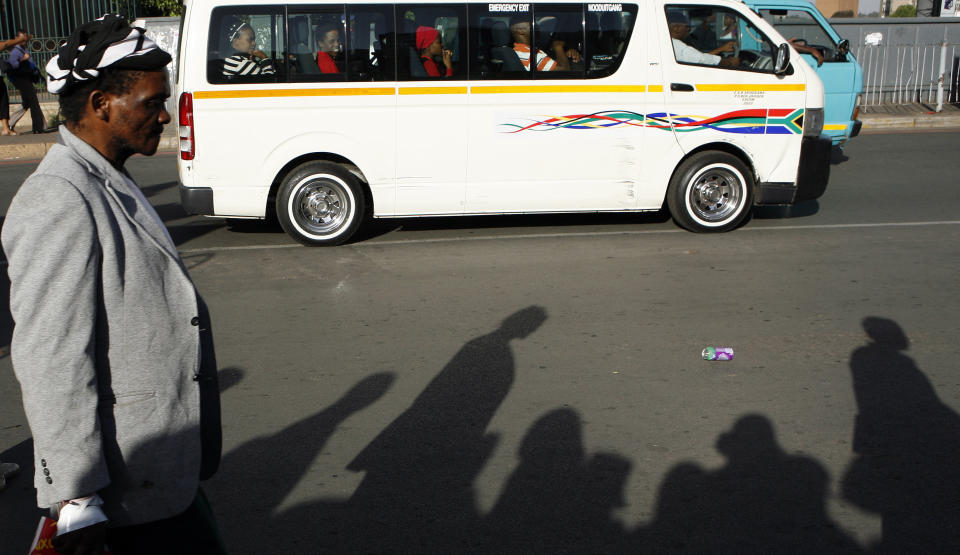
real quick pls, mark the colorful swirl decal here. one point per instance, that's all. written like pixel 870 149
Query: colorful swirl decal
pixel 747 122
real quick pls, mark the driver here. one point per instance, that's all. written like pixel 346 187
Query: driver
pixel 679 30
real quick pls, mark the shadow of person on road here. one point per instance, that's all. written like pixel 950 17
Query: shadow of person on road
pixel 907 447
pixel 558 501
pixel 417 492
pixel 763 500
pixel 256 477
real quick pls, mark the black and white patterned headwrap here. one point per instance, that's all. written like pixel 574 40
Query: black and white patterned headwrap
pixel 105 42
pixel 233 27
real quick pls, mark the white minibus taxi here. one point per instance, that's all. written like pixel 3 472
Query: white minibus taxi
pixel 329 113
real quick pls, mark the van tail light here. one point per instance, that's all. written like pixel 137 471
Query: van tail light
pixel 187 143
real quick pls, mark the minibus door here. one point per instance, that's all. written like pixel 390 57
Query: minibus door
pixel 718 100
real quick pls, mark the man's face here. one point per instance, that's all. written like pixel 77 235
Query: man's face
pixel 679 31
pixel 137 116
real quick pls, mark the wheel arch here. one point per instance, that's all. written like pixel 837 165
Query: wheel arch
pixel 271 208
pixel 721 146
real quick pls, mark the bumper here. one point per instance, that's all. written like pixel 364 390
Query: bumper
pixel 812 176
pixel 197 200
pixel 814 170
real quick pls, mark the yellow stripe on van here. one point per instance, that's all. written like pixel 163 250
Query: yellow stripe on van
pixel 834 126
pixel 511 89
pixel 656 88
pixel 711 87
pixel 275 93
pixel 433 90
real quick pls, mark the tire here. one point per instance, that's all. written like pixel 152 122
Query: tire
pixel 710 192
pixel 321 203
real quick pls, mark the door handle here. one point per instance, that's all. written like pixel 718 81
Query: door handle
pixel 681 87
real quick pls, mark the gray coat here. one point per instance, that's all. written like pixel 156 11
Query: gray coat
pixel 108 341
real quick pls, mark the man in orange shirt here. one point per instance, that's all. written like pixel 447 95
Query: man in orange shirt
pixel 520 28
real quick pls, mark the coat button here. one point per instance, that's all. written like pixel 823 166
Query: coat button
pixel 195 321
pixel 43 462
pixel 49 480
pixel 46 471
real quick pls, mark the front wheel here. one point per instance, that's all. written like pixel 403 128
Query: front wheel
pixel 320 203
pixel 710 191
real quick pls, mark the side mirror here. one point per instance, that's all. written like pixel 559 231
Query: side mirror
pixel 844 47
pixel 783 59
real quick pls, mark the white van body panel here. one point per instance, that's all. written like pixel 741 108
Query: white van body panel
pixel 443 147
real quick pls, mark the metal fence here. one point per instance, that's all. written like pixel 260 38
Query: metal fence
pixel 904 74
pixel 905 60
pixel 50 22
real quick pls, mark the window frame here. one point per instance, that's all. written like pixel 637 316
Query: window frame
pixel 742 19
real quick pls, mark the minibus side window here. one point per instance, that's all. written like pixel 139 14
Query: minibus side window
pixel 495 30
pixel 801 25
pixel 548 41
pixel 245 45
pixel 316 36
pixel 718 37
pixel 558 35
pixel 608 30
pixel 371 43
pixel 430 41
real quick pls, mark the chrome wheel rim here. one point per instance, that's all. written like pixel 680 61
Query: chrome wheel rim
pixel 320 205
pixel 716 193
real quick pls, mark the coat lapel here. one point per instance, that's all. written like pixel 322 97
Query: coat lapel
pixel 117 187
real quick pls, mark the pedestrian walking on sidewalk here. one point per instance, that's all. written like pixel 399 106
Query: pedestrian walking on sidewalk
pixel 22 73
pixel 111 343
pixel 5 127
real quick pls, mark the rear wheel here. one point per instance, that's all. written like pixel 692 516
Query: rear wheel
pixel 711 191
pixel 320 203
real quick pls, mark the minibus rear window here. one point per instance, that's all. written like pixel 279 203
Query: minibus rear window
pixel 246 45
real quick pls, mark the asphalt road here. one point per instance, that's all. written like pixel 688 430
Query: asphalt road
pixel 534 384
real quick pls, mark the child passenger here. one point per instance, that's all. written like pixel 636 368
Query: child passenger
pixel 430 46
pixel 246 59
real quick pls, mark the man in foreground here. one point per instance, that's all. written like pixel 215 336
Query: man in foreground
pixel 112 344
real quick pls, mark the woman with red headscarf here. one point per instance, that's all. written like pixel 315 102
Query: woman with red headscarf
pixel 430 46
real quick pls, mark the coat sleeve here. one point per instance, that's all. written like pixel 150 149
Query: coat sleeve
pixel 53 253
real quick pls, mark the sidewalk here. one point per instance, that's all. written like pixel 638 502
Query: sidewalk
pixel 906 116
pixel 911 116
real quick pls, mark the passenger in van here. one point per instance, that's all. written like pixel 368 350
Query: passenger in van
pixel 328 48
pixel 521 30
pixel 430 46
pixel 680 29
pixel 246 59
